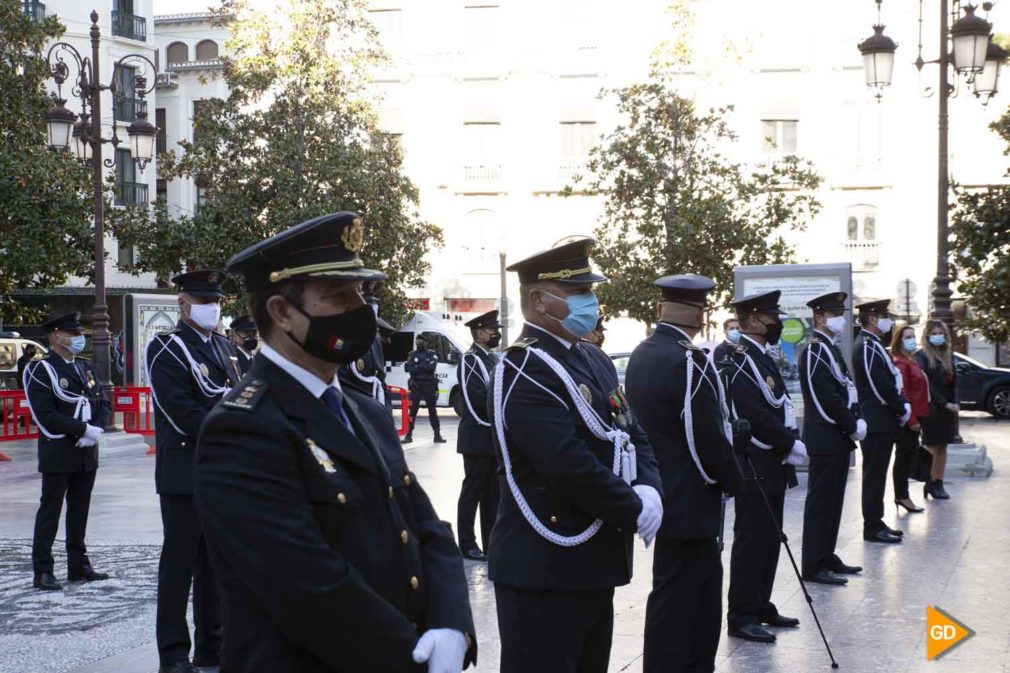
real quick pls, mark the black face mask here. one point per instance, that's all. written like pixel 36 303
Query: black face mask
pixel 339 338
pixel 773 332
pixel 250 343
pixel 494 340
pixel 422 346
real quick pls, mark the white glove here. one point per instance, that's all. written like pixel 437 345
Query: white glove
pixel 443 649
pixel 85 442
pixel 797 454
pixel 860 433
pixel 907 415
pixel 651 516
pixel 93 432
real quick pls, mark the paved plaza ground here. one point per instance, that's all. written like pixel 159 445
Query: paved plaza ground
pixel 956 556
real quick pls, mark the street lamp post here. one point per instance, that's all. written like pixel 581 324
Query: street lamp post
pixel 973 54
pixel 86 138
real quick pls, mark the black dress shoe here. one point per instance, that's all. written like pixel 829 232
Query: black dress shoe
pixel 46 582
pixel 86 574
pixel 206 660
pixel 439 439
pixel 895 531
pixel 179 667
pixel 474 554
pixel 780 622
pixel 407 439
pixel 753 632
pixel 836 566
pixel 885 536
pixel 825 577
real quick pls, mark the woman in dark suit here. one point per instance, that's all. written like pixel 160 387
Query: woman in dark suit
pixel 936 357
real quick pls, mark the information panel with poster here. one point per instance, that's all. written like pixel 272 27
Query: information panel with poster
pixel 144 315
pixel 798 283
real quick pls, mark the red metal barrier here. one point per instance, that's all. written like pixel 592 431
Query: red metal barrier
pixel 404 408
pixel 17 417
pixel 135 405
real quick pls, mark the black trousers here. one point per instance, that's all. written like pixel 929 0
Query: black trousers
pixel 427 392
pixel 822 511
pixel 683 616
pixel 184 562
pixel 76 487
pixel 905 443
pixel 754 559
pixel 554 631
pixel 876 450
pixel 480 487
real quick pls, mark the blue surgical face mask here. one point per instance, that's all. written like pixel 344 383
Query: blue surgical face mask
pixel 583 313
pixel 909 345
pixel 733 336
pixel 937 339
pixel 77 343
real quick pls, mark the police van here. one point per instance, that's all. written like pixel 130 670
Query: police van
pixel 447 339
pixel 12 347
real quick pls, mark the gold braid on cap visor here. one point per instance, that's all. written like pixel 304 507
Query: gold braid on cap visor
pixel 563 274
pixel 314 269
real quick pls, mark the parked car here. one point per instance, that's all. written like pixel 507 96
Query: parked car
pixel 12 347
pixel 982 388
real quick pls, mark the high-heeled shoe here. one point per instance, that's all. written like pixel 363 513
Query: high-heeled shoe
pixel 907 504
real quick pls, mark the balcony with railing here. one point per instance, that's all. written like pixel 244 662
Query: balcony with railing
pixel 129 26
pixel 863 255
pixel 131 194
pixel 482 178
pixel 35 10
pixel 127 108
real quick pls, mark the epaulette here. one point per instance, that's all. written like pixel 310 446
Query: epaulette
pixel 522 343
pixel 247 397
pixel 690 346
pixel 174 330
pixel 815 340
pixel 740 350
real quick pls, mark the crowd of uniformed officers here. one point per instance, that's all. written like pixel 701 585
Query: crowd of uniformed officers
pixel 291 516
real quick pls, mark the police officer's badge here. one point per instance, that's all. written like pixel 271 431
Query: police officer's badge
pixel 204 370
pixel 586 394
pixel 64 383
pixel 321 456
pixel 770 381
pixel 353 236
pixel 360 364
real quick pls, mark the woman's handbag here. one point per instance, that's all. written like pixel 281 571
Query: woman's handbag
pixel 920 464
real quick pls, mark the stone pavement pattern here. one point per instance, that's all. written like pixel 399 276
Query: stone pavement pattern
pixel 956 557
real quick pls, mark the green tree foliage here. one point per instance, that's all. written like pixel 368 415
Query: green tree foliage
pixel 675 203
pixel 45 206
pixel 980 230
pixel 295 139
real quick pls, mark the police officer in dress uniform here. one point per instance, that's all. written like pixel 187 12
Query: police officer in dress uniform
pixel 677 395
pixel 474 441
pixel 423 384
pixel 189 369
pixel 70 411
pixel 245 339
pixel 832 424
pixel 573 494
pixel 758 394
pixel 879 385
pixel 328 552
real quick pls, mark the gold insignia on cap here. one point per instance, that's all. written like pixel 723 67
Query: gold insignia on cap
pixel 321 456
pixel 64 383
pixel 353 236
pixel 214 278
pixel 589 250
pixel 586 395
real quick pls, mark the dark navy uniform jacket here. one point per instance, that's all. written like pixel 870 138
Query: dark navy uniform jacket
pixel 56 417
pixel 871 360
pixel 368 374
pixel 180 403
pixel 564 472
pixel 657 383
pixel 768 423
pixel 327 551
pixel 475 435
pixel 421 365
pixel 244 360
pixel 828 418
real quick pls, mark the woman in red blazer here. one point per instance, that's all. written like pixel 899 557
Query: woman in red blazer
pixel 916 391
